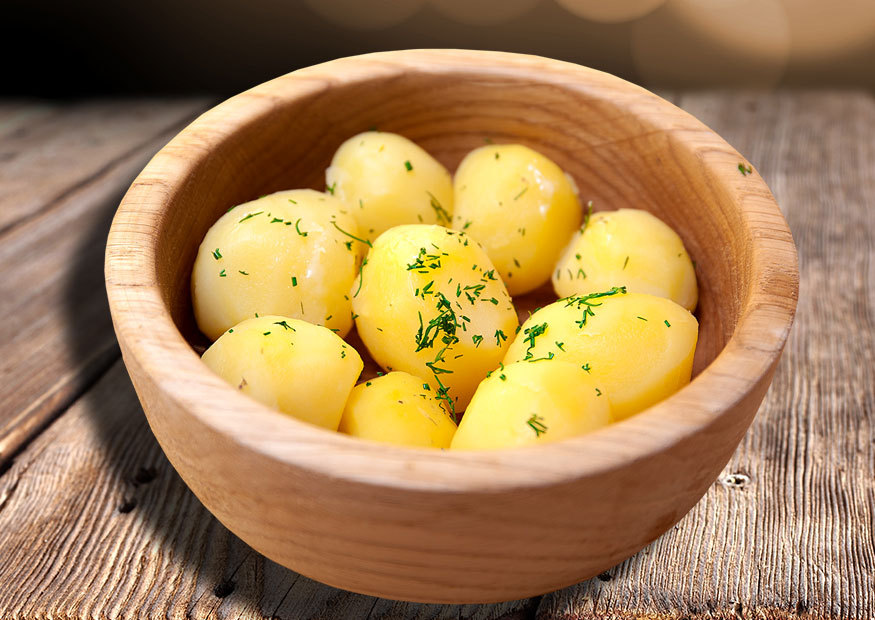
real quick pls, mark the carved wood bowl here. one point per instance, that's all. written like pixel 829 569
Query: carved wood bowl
pixel 443 526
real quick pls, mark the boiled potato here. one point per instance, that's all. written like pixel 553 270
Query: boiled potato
pixel 430 303
pixel 520 206
pixel 304 370
pixel 532 402
pixel 397 408
pixel 630 248
pixel 387 180
pixel 292 253
pixel 638 348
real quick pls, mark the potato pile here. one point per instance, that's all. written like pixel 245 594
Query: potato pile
pixel 424 265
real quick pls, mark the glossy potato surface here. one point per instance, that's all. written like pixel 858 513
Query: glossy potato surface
pixel 388 180
pixel 288 253
pixel 631 248
pixel 430 303
pixel 638 348
pixel 530 403
pixel 304 370
pixel 520 206
pixel 397 408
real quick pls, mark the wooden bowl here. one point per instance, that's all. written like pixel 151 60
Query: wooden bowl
pixel 431 525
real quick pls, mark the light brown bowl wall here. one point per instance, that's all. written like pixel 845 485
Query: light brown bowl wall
pixel 452 527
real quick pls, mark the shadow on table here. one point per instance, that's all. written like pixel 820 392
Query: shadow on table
pixel 224 570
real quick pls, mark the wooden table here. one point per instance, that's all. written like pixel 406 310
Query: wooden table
pixel 94 522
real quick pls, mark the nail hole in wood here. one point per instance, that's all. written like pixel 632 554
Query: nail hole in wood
pixel 145 475
pixel 735 481
pixel 224 588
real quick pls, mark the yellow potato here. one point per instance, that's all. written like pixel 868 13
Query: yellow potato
pixel 397 408
pixel 532 402
pixel 520 206
pixel 304 370
pixel 387 180
pixel 290 253
pixel 430 303
pixel 638 348
pixel 630 248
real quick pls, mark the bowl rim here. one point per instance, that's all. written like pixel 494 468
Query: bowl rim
pixel 177 372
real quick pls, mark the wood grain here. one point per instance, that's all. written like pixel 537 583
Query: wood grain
pixel 287 488
pixel 44 161
pixel 69 168
pixel 94 522
pixel 787 529
pixel 785 533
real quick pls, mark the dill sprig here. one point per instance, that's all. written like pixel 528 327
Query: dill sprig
pixel 536 423
pixel 350 235
pixel 587 304
pixel 442 214
pixel 531 333
pixel 586 216
pixel 249 215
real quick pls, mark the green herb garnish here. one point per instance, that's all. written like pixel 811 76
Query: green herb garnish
pixel 536 423
pixel 441 213
pixel 250 215
pixel 351 236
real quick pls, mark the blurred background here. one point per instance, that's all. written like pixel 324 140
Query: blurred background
pixel 68 49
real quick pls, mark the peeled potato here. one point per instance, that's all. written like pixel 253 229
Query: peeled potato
pixel 387 180
pixel 638 348
pixel 290 253
pixel 430 303
pixel 532 402
pixel 520 206
pixel 397 408
pixel 304 370
pixel 630 248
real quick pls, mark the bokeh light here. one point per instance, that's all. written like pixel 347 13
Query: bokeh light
pixel 610 11
pixel 819 29
pixel 715 43
pixel 484 12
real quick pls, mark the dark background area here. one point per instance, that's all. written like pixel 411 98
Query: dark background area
pixel 96 47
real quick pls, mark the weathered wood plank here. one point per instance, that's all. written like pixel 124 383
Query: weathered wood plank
pixel 788 529
pixel 56 336
pixel 94 522
pixel 50 155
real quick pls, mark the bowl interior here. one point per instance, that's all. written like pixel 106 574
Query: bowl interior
pixel 619 155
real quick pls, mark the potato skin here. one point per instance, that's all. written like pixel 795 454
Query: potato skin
pixel 530 403
pixel 638 348
pixel 631 248
pixel 466 314
pixel 280 254
pixel 301 369
pixel 397 408
pixel 520 206
pixel 387 181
